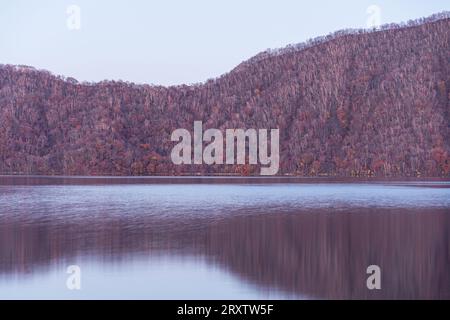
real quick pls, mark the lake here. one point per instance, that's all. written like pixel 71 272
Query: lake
pixel 223 238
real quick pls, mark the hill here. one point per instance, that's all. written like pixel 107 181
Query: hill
pixel 355 103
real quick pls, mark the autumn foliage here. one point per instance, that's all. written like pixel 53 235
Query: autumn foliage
pixel 355 103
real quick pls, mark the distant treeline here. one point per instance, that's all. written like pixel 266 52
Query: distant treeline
pixel 354 103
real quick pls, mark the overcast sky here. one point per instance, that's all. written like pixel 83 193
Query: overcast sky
pixel 173 42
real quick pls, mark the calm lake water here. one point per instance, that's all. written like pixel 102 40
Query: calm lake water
pixel 212 238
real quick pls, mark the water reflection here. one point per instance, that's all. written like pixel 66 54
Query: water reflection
pixel 294 250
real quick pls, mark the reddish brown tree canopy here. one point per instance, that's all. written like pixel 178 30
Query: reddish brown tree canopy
pixel 353 103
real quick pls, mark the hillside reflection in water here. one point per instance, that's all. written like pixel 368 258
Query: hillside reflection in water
pixel 225 240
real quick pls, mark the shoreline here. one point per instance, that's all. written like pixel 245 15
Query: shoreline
pixel 47 179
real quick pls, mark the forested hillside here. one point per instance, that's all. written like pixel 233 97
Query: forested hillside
pixel 353 103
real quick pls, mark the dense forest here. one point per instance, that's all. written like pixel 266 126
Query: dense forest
pixel 354 103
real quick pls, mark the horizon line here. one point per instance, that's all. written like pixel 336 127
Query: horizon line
pixel 268 53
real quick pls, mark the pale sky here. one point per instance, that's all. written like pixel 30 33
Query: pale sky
pixel 174 42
